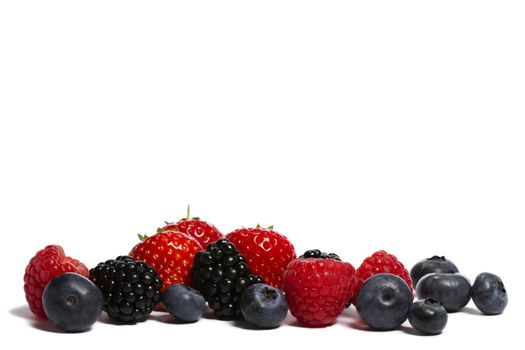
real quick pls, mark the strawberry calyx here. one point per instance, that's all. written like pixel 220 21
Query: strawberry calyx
pixel 268 228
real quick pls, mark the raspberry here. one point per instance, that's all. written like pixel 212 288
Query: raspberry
pixel 47 264
pixel 317 254
pixel 170 254
pixel 267 252
pixel 380 262
pixel 318 289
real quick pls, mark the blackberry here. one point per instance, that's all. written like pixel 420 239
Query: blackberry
pixel 317 254
pixel 131 289
pixel 221 274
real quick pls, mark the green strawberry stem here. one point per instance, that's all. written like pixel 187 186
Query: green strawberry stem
pixel 188 215
pixel 269 227
pixel 143 237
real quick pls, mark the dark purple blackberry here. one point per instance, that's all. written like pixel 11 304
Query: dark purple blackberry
pixel 221 274
pixel 317 254
pixel 131 289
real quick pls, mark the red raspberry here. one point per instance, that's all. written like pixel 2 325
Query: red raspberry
pixel 170 254
pixel 318 289
pixel 380 262
pixel 266 251
pixel 202 231
pixel 47 264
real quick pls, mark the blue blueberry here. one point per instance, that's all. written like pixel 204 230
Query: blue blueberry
pixel 489 294
pixel 72 302
pixel 383 301
pixel 431 265
pixel 264 306
pixel 184 303
pixel 451 289
pixel 428 316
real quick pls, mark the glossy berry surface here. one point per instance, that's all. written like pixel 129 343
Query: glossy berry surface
pixel 428 316
pixel 221 274
pixel 318 289
pixel 267 252
pixel 131 289
pixel 204 232
pixel 489 294
pixel 434 264
pixel 383 301
pixel 184 303
pixel 451 289
pixel 317 254
pixel 72 302
pixel 263 305
pixel 381 262
pixel 47 264
pixel 170 254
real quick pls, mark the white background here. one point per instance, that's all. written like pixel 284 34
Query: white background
pixel 350 126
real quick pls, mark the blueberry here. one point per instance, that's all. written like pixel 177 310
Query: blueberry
pixel 489 294
pixel 431 265
pixel 263 305
pixel 72 302
pixel 383 301
pixel 451 289
pixel 184 303
pixel 428 316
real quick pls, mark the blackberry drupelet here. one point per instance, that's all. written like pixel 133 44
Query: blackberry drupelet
pixel 221 274
pixel 131 289
pixel 317 254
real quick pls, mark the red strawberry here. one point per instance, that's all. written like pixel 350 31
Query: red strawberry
pixel 170 254
pixel 47 264
pixel 202 231
pixel 267 252
pixel 380 262
pixel 318 289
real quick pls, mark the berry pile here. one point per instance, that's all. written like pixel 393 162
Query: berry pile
pixel 170 253
pixel 380 262
pixel 204 232
pixel 47 264
pixel 267 252
pixel 251 274
pixel 221 274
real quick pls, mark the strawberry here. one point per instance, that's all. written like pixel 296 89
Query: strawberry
pixel 318 289
pixel 170 254
pixel 202 231
pixel 47 264
pixel 267 252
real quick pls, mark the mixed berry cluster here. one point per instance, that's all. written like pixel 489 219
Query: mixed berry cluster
pixel 253 274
